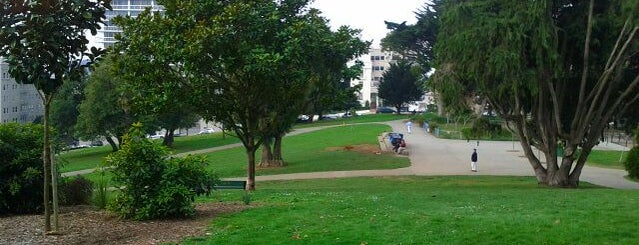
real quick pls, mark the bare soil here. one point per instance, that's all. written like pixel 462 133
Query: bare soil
pixel 85 225
pixel 365 148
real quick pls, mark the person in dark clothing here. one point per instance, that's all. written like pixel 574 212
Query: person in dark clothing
pixel 395 142
pixel 473 161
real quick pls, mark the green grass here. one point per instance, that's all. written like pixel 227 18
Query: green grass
pixel 427 210
pixel 92 157
pixel 322 150
pixel 358 119
pixel 607 159
pixel 310 153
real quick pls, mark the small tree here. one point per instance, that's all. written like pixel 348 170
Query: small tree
pixel 400 85
pixel 156 185
pixel 43 43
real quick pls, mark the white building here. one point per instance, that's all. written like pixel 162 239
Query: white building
pixel 376 62
pixel 106 35
pixel 19 102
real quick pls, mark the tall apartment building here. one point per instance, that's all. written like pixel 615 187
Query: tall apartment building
pixel 106 35
pixel 19 102
pixel 376 62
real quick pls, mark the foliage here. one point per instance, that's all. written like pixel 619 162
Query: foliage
pixel 65 109
pixel 100 195
pixel 632 163
pixel 21 168
pixel 148 57
pixel 105 111
pixel 76 191
pixel 481 126
pixel 558 71
pixel 254 62
pixel 155 186
pixel 44 44
pixel 400 85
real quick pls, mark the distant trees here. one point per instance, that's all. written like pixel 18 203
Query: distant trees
pixel 149 60
pixel 43 43
pixel 558 71
pixel 400 85
pixel 106 109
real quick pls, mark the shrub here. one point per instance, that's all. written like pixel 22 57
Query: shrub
pixel 155 185
pixel 77 191
pixel 100 195
pixel 432 126
pixel 21 170
pixel 632 163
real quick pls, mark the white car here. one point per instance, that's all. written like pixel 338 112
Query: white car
pixel 157 136
pixel 207 131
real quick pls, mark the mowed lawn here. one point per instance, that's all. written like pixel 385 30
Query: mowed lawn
pixel 426 210
pixel 92 157
pixel 323 150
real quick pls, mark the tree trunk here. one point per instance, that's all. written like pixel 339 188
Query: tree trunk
pixel 46 160
pixel 250 181
pixel 277 152
pixel 168 138
pixel 54 192
pixel 114 146
pixel 267 154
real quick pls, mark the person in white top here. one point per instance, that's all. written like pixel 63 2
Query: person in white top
pixel 409 126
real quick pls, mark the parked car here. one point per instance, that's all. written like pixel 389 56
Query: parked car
pixel 157 136
pixel 302 118
pixel 97 143
pixel 207 131
pixel 385 110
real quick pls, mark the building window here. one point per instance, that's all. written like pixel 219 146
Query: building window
pixel 378 68
pixel 5 110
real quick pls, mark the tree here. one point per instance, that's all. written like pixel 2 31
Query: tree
pixel 106 110
pixel 400 85
pixel 250 60
pixel 559 71
pixel 65 109
pixel 43 43
pixel 416 43
pixel 149 60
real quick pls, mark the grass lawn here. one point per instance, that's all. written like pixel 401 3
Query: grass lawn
pixel 607 159
pixel 321 150
pixel 427 210
pixel 91 157
pixel 358 119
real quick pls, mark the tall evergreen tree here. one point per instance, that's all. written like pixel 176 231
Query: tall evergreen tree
pixel 400 85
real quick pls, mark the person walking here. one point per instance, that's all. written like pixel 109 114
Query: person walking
pixel 473 161
pixel 409 126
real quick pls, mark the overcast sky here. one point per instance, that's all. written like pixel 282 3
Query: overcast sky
pixel 368 15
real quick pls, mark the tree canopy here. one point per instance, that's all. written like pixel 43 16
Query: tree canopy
pixel 43 42
pixel 557 71
pixel 400 85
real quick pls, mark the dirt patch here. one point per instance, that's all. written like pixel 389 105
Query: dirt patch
pixel 365 148
pixel 84 225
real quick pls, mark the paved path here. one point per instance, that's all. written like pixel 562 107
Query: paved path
pixel 433 156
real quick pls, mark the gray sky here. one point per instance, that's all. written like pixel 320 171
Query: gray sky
pixel 368 15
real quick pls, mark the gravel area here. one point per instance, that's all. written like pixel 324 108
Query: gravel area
pixel 84 225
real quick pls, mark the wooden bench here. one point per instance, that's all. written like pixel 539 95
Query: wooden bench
pixel 231 184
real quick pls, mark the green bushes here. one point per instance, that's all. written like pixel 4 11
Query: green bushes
pixel 632 163
pixel 21 171
pixel 76 191
pixel 155 185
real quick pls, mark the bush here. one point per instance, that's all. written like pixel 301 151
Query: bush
pixel 432 126
pixel 21 170
pixel 77 191
pixel 155 185
pixel 632 163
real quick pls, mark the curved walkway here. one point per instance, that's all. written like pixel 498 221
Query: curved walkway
pixel 431 156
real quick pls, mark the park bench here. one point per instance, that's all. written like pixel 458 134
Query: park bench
pixel 230 184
